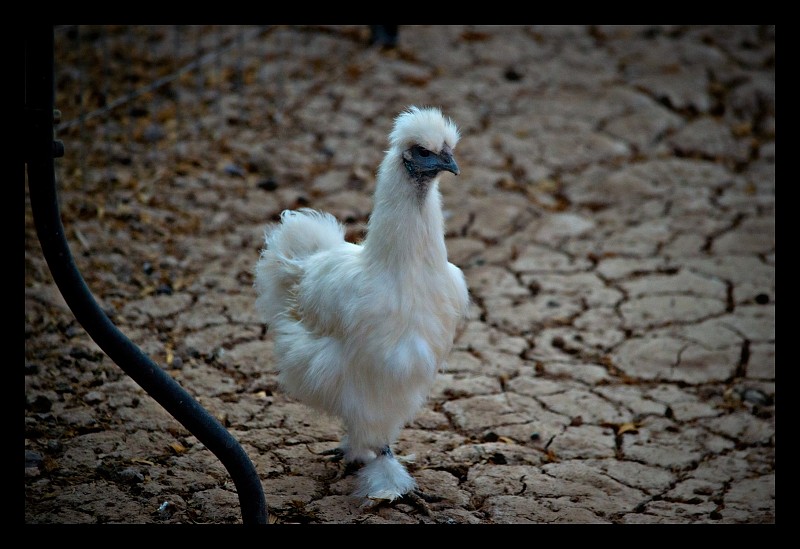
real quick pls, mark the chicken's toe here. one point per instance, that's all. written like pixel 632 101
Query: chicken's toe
pixel 336 454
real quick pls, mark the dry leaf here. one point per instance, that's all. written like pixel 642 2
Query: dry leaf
pixel 742 130
pixel 620 428
pixel 628 427
pixel 546 185
pixel 177 447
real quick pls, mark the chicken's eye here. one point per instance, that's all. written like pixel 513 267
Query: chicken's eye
pixel 424 153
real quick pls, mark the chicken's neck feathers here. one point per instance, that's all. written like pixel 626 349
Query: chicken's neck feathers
pixel 406 229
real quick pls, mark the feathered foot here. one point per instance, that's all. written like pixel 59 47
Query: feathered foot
pixel 384 478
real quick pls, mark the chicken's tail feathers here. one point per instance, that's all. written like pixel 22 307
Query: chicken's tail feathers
pixel 300 234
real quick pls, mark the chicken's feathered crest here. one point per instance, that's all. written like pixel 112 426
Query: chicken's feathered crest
pixel 427 127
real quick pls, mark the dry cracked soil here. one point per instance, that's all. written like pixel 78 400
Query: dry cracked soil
pixel 615 219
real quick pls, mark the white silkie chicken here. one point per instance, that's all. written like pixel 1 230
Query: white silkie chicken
pixel 360 330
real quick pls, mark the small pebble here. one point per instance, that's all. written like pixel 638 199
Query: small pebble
pixel 755 396
pixel 233 169
pixel 131 475
pixel 33 459
pixel 93 397
pixel 268 185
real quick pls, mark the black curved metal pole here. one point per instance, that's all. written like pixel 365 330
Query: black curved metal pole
pixel 40 148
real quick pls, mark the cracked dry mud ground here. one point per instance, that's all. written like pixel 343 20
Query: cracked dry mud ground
pixel 615 219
